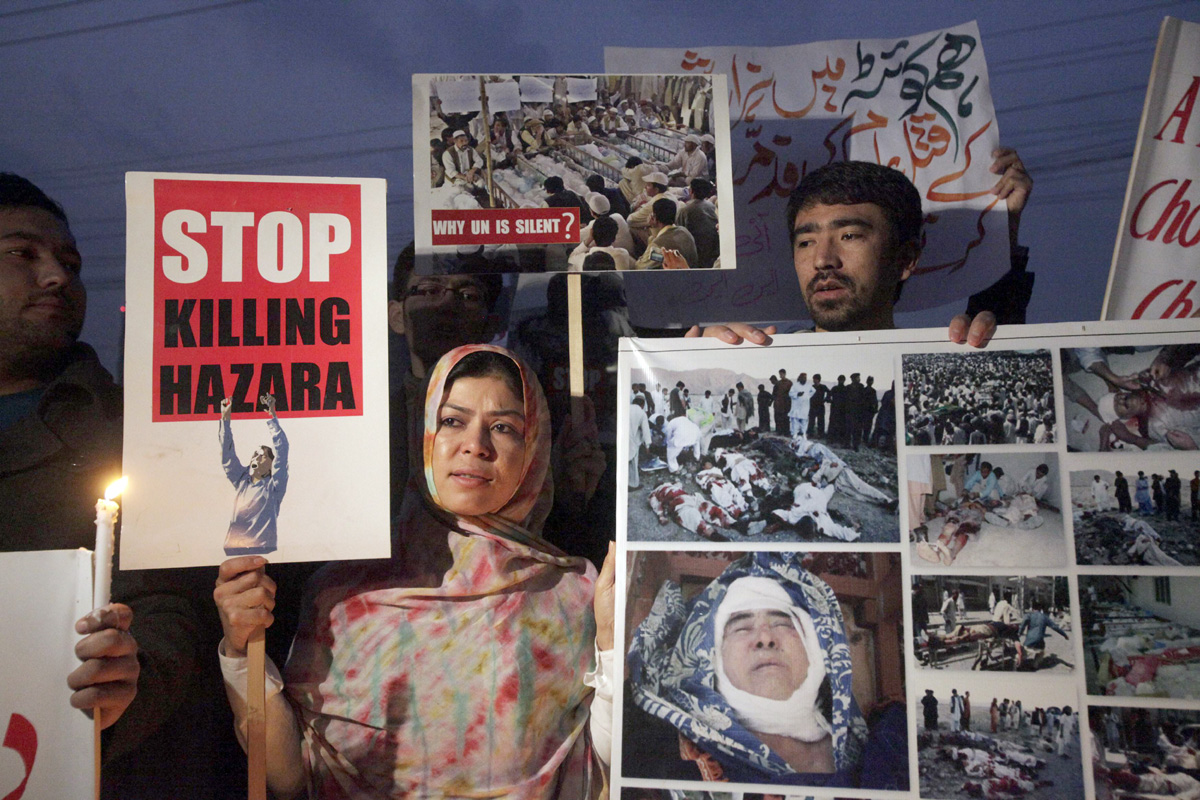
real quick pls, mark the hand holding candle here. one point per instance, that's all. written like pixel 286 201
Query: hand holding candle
pixel 107 679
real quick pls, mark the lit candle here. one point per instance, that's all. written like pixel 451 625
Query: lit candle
pixel 106 516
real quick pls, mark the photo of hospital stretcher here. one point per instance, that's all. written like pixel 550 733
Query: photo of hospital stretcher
pixel 1141 635
pixel 1005 623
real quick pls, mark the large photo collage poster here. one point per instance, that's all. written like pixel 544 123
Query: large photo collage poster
pixel 893 566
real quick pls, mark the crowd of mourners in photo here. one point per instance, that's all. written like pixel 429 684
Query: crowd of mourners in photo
pixel 660 213
pixel 993 398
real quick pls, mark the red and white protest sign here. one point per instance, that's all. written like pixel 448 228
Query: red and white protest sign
pixel 257 290
pixel 505 226
pixel 240 288
pixel 1154 273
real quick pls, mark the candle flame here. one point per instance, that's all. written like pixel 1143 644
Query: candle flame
pixel 115 488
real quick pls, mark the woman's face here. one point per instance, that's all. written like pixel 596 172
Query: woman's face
pixel 479 447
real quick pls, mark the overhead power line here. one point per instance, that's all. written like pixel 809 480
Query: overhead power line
pixel 1042 25
pixel 21 12
pixel 42 37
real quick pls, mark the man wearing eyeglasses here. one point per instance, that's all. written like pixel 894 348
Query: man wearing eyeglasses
pixel 434 314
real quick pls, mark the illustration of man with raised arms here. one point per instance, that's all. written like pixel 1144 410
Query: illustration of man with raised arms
pixel 260 485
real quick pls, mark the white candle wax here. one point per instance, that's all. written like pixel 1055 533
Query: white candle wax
pixel 106 514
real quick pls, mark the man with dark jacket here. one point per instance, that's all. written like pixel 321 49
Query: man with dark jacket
pixel 765 399
pixel 783 404
pixel 816 409
pixel 149 662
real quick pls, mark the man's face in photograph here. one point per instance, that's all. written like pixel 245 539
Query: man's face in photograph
pixel 762 653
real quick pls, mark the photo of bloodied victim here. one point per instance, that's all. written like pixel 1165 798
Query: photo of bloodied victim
pixel 1141 635
pixel 981 739
pixel 990 397
pixel 992 622
pixel 785 454
pixel 1132 398
pixel 1135 516
pixel 1145 752
pixel 985 510
pixel 765 668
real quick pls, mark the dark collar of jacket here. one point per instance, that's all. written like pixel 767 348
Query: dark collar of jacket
pixel 78 417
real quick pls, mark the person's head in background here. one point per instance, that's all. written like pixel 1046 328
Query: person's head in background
pixel 437 313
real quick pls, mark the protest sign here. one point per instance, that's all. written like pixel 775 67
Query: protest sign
pixel 793 496
pixel 920 103
pixel 45 744
pixel 484 175
pixel 255 370
pixel 1153 274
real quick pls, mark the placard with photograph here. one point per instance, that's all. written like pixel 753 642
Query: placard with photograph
pixel 554 173
pixel 764 493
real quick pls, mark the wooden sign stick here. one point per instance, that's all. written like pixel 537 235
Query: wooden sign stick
pixel 575 342
pixel 96 725
pixel 256 715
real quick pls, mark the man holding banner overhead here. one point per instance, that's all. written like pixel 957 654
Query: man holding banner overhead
pixel 856 237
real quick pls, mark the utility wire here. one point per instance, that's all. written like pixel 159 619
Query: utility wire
pixel 48 7
pixel 42 37
pixel 1040 27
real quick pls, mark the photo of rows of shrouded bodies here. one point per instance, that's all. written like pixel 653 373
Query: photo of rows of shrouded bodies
pixel 765 668
pixel 989 510
pixel 1141 635
pixel 991 397
pixel 1132 398
pixel 980 738
pixel 1137 515
pixel 992 622
pixel 734 456
pixel 610 146
pixel 1145 752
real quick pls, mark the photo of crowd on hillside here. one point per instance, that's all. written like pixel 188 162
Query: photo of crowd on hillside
pixel 1137 516
pixel 1145 752
pixel 1132 398
pixel 1141 635
pixel 992 622
pixel 988 397
pixel 748 456
pixel 993 510
pixel 636 155
pixel 980 740
pixel 775 668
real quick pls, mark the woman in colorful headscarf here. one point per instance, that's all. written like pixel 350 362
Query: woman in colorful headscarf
pixel 753 677
pixel 454 668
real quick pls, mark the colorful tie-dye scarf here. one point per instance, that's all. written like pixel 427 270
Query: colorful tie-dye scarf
pixel 456 668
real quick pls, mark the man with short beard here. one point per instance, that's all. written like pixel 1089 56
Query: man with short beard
pixel 60 445
pixel 856 237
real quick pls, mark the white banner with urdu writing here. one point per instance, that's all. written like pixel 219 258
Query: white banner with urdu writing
pixel 920 103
